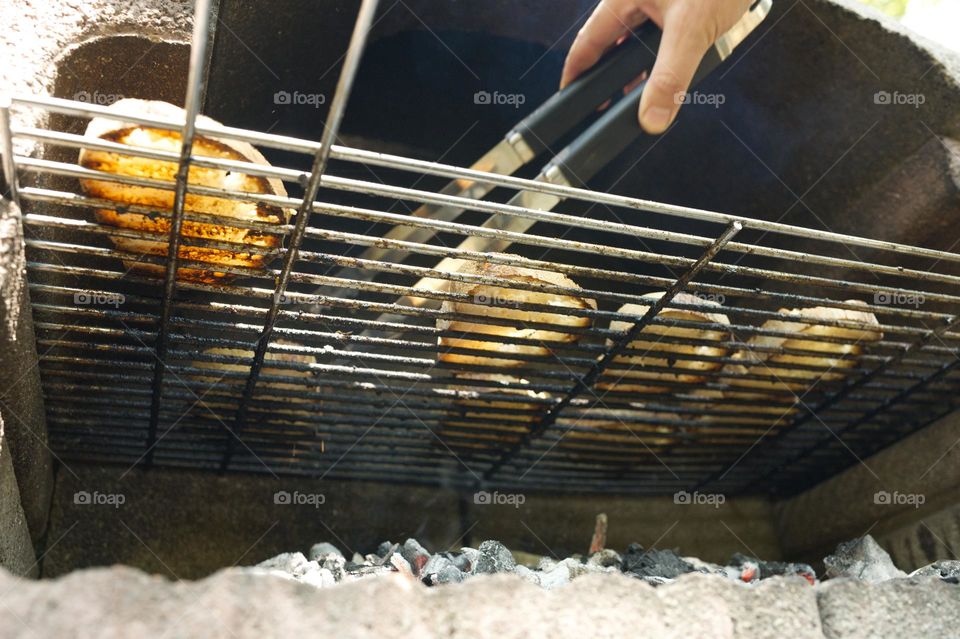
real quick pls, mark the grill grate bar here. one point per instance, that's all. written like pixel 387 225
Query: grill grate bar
pixel 348 72
pixel 880 408
pixel 8 165
pixel 195 88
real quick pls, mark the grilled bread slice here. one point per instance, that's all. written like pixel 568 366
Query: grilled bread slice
pixel 494 301
pixel 630 373
pixel 230 209
pixel 772 401
pixel 830 358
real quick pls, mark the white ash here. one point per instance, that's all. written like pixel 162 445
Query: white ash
pixel 864 559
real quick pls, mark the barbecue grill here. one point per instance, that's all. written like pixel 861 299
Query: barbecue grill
pixel 122 383
pixel 329 365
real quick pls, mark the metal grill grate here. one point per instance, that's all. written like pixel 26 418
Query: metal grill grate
pixel 186 374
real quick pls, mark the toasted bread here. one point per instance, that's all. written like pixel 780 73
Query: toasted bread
pixel 627 372
pixel 164 140
pixel 491 301
pixel 836 356
pixel 772 405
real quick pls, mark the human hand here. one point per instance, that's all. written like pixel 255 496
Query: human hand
pixel 690 27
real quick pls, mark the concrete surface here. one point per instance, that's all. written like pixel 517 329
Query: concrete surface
pixel 39 37
pixel 898 608
pixel 926 464
pixel 21 396
pixel 118 602
pixel 16 550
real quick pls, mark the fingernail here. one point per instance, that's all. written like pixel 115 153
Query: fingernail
pixel 656 119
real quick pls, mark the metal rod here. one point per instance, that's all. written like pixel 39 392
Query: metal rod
pixel 195 78
pixel 358 39
pixel 9 184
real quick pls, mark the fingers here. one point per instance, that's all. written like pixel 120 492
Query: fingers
pixel 688 32
pixel 608 23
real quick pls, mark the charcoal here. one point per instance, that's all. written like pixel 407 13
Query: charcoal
pixel 319 552
pixel 494 557
pixel 862 558
pixel 434 567
pixel 293 563
pixel 558 575
pixel 774 568
pixel 467 559
pixel 399 564
pixel 546 564
pixel 749 572
pixel 415 554
pixel 654 563
pixel 440 570
pixel 606 558
pixel 319 578
pixel 461 560
pixel 384 549
pixel 336 564
pixel 449 575
pixel 706 567
pixel 384 555
pixel 947 570
pixel 527 575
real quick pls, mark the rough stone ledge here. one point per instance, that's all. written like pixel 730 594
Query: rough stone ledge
pixel 234 603
pixel 914 607
pixel 237 603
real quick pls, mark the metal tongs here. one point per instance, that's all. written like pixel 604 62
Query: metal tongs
pixel 579 161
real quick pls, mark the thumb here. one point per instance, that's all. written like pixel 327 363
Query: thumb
pixel 687 35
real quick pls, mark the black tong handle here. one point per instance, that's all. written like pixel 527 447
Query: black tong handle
pixel 613 132
pixel 568 107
